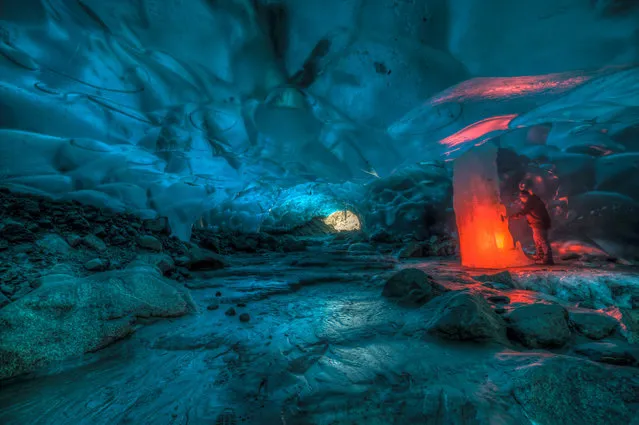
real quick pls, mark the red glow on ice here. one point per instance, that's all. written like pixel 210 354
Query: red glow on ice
pixel 478 129
pixel 576 247
pixel 509 87
pixel 484 238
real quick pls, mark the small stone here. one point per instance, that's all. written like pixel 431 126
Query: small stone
pixel 218 294
pixel 95 265
pixel 45 223
pixel 94 243
pixel 411 250
pixel 159 225
pixel 502 278
pixel 74 240
pixel 215 304
pixel 498 299
pixel 4 244
pixel 4 300
pixel 15 232
pixel 99 232
pixel 241 304
pixel 245 317
pixel 182 260
pixel 54 244
pixel 162 261
pixel 230 312
pixel 150 242
pixel 607 352
pixel 183 271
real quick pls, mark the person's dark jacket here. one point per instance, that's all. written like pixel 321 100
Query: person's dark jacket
pixel 535 212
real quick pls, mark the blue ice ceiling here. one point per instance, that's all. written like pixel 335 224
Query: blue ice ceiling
pixel 265 113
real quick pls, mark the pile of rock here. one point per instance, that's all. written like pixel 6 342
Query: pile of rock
pixel 482 313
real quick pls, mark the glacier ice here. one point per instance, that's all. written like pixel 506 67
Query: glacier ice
pixel 261 115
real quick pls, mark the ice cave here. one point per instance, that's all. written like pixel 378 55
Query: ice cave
pixel 319 212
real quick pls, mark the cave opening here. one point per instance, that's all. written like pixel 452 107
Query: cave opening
pixel 344 221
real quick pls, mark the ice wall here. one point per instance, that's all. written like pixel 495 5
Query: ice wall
pixel 196 109
pixel 484 237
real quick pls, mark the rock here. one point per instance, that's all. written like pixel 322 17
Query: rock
pixel 99 231
pixel 498 299
pixel 95 243
pixel 202 259
pixel 95 265
pixel 4 300
pixel 381 235
pixel 45 223
pixel 539 325
pixel 182 260
pixel 572 391
pixel 503 278
pixel 290 243
pixel 587 304
pixel 150 242
pixel 14 231
pixel 77 316
pixel 162 261
pixel 412 287
pixel 245 243
pixel 4 244
pixel 54 244
pixel 463 316
pixel 214 305
pixel 608 352
pixel 245 317
pixel 230 312
pixel 361 247
pixel 74 240
pixel 218 294
pixel 592 324
pixel 629 320
pixel 157 225
pixel 411 250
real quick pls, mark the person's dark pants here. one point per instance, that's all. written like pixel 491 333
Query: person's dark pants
pixel 542 244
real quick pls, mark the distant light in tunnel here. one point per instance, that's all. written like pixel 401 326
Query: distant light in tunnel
pixel 343 221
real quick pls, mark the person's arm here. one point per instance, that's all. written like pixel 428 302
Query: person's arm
pixel 527 208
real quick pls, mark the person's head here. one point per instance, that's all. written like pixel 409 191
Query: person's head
pixel 524 195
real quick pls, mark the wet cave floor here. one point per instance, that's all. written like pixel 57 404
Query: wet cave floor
pixel 320 345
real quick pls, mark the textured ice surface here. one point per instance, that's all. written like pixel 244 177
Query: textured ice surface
pixel 236 111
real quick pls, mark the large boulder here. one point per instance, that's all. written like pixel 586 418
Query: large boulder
pixel 539 325
pixel 412 287
pixel 68 317
pixel 571 391
pixel 592 324
pixel 464 316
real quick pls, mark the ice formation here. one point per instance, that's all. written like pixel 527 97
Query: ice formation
pixel 230 120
